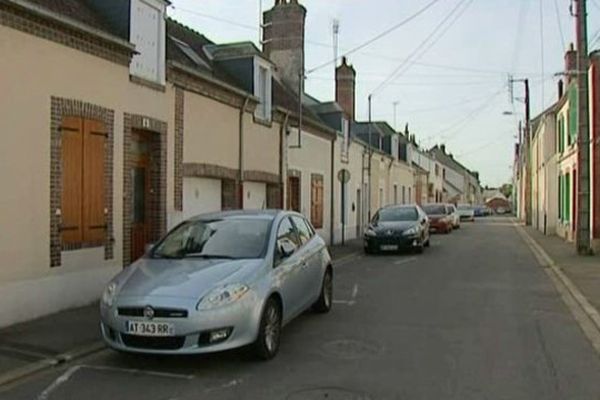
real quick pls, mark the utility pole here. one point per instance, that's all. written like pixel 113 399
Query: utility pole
pixel 369 164
pixel 527 153
pixel 582 237
pixel 395 104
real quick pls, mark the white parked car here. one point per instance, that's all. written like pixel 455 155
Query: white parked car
pixel 453 214
pixel 466 212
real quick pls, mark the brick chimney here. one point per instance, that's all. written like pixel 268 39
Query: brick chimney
pixel 345 88
pixel 283 39
pixel 570 63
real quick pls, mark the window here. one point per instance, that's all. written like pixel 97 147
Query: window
pixel 316 201
pixel 262 89
pixel 304 232
pixel 437 170
pixel 380 197
pixel 560 197
pixel 567 198
pixel 286 237
pixel 409 194
pixel 82 198
pixel 561 134
pixel 148 35
pixel 403 194
pixel 293 193
pixel 395 194
pixel 346 138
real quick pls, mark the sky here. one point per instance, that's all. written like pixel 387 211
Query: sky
pixel 445 72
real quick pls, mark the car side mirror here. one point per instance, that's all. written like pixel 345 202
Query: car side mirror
pixel 423 221
pixel 286 249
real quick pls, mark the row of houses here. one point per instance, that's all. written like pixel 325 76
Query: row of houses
pixel 554 158
pixel 119 122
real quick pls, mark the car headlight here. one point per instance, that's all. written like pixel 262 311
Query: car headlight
pixel 411 231
pixel 222 296
pixel 370 232
pixel 108 296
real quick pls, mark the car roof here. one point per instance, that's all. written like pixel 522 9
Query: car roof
pixel 233 214
pixel 399 206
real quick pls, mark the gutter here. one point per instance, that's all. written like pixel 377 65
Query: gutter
pixel 241 153
pixel 72 24
pixel 282 144
pixel 332 194
pixel 214 81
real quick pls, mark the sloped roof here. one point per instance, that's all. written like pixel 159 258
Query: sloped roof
pixel 449 161
pixel 75 9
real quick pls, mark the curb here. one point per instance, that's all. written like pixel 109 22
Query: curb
pixel 51 362
pixel 572 290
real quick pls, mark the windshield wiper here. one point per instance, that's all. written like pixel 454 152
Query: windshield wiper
pixel 209 256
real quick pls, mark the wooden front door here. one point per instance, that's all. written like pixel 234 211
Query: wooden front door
pixel 141 191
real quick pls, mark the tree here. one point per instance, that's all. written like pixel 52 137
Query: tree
pixel 506 190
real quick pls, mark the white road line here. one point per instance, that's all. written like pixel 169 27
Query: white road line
pixel 139 371
pixel 229 384
pixel 345 302
pixel 405 261
pixel 59 381
pixel 354 291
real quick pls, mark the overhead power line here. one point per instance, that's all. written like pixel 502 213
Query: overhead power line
pixel 420 46
pixel 559 22
pixel 379 36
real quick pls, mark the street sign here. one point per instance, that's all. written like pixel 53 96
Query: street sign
pixel 344 176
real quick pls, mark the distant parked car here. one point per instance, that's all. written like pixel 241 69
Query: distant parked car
pixel 479 211
pixel 219 281
pixel 397 227
pixel 466 212
pixel 453 213
pixel 439 220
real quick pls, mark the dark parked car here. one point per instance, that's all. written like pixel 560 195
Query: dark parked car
pixel 440 220
pixel 397 227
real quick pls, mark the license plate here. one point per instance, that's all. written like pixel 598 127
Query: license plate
pixel 389 247
pixel 143 328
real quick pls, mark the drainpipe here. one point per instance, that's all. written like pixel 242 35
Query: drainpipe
pixel 332 190
pixel 282 144
pixel 241 154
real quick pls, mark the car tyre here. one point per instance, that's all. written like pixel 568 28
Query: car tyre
pixel 428 242
pixel 267 343
pixel 323 304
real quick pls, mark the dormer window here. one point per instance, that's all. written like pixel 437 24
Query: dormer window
pixel 147 33
pixel 262 89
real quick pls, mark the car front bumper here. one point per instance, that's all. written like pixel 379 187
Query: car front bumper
pixel 190 333
pixel 403 242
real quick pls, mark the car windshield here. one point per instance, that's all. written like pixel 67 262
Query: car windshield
pixel 397 214
pixel 434 209
pixel 231 238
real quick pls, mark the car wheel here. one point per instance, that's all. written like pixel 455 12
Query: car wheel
pixel 369 250
pixel 269 331
pixel 428 242
pixel 420 248
pixel 323 304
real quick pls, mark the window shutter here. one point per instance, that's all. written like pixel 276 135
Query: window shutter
pixel 71 201
pixel 316 209
pixel 94 139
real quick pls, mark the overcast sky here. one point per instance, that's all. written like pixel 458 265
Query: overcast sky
pixel 454 91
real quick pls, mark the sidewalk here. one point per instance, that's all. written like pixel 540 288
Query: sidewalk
pixel 583 271
pixel 42 343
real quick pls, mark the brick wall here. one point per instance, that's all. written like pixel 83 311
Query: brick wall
pixel 61 108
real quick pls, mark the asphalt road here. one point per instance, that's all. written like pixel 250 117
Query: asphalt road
pixel 473 318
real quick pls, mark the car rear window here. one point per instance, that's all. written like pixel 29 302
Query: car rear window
pixel 435 209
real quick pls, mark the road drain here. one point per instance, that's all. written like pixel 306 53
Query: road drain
pixel 351 349
pixel 327 393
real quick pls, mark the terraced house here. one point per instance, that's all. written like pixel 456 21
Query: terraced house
pixel 121 122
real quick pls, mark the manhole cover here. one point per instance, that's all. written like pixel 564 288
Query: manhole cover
pixel 327 393
pixel 351 349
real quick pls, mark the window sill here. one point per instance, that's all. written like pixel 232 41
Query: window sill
pixel 265 122
pixel 148 83
pixel 81 246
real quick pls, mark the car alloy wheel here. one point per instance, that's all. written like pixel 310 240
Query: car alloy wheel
pixel 323 304
pixel 269 335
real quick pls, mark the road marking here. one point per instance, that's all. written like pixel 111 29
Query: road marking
pixel 345 302
pixel 58 382
pixel 584 313
pixel 139 371
pixel 405 261
pixel 229 384
pixel 354 291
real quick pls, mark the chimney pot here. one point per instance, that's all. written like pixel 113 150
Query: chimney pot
pixel 560 89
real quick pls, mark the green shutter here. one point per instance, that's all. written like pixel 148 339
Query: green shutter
pixel 560 189
pixel 573 102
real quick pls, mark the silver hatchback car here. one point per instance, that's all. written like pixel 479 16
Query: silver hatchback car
pixel 219 281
